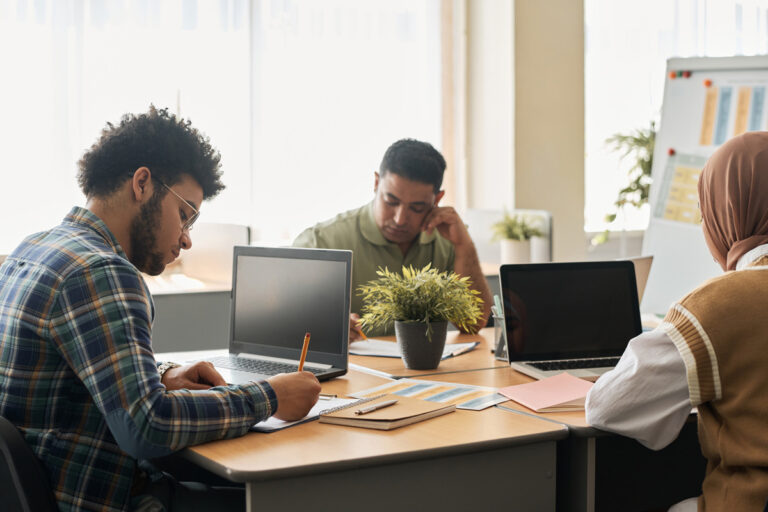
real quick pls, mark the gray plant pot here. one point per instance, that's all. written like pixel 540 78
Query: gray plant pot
pixel 418 351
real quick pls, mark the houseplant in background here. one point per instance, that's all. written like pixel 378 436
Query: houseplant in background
pixel 420 303
pixel 638 144
pixel 514 232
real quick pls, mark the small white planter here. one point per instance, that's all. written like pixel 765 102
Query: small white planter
pixel 515 251
pixel 539 249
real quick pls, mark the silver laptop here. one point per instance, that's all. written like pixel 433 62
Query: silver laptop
pixel 574 317
pixel 278 295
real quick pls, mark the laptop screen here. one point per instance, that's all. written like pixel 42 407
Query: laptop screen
pixel 279 294
pixel 569 310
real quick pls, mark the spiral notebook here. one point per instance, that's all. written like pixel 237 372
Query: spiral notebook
pixel 273 424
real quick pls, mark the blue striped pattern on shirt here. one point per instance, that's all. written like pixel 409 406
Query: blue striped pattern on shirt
pixel 77 371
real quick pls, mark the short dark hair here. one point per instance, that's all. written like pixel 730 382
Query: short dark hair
pixel 168 146
pixel 414 160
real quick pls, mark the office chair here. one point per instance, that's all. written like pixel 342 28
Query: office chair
pixel 23 484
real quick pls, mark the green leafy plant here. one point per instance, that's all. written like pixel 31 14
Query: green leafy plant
pixel 515 227
pixel 424 295
pixel 639 144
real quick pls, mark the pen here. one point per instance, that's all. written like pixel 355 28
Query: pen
pixel 463 350
pixel 304 352
pixel 327 396
pixel 376 407
pixel 497 302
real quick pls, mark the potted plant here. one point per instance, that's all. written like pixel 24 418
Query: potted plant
pixel 420 303
pixel 639 145
pixel 515 233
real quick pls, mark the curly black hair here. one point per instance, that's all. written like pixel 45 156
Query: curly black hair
pixel 414 160
pixel 168 146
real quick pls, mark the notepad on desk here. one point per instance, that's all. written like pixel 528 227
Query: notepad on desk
pixel 383 348
pixel 560 393
pixel 273 424
pixel 405 411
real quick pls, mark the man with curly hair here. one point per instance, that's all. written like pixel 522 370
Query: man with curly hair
pixel 78 375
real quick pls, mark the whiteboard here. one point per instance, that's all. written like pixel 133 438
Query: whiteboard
pixel 708 101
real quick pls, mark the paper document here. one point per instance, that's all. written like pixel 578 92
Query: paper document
pixel 272 424
pixel 383 348
pixel 563 392
pixel 473 398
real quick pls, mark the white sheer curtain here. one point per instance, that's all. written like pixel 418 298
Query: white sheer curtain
pixel 301 97
pixel 627 45
pixel 70 66
pixel 336 82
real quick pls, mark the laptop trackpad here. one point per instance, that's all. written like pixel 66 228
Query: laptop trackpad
pixel 590 374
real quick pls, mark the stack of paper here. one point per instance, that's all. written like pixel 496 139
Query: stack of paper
pixel 563 392
pixel 273 424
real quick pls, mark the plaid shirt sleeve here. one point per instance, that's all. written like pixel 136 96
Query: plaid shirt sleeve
pixel 100 324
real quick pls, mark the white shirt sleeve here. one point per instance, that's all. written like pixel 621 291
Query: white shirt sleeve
pixel 646 396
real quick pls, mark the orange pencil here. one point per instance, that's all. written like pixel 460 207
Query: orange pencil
pixel 304 352
pixel 362 333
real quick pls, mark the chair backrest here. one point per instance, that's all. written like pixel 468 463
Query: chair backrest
pixel 479 223
pixel 211 260
pixel 23 483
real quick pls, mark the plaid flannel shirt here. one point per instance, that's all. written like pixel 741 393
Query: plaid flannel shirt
pixel 77 371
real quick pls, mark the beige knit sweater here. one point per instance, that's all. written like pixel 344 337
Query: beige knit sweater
pixel 721 332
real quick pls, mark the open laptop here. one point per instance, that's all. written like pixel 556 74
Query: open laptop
pixel 278 295
pixel 574 317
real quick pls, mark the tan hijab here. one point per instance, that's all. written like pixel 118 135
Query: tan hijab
pixel 733 197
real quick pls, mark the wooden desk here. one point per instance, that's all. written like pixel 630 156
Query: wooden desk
pixel 506 376
pixel 479 358
pixel 597 471
pixel 461 461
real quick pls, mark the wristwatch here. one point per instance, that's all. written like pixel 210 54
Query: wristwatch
pixel 164 367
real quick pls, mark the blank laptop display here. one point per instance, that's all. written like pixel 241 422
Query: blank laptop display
pixel 279 294
pixel 574 317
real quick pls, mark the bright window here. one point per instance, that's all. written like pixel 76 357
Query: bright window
pixel 627 46
pixel 301 97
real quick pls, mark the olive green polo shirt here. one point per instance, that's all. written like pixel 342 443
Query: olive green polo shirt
pixel 356 230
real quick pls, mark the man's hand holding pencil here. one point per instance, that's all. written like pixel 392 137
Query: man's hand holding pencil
pixel 296 392
pixel 355 332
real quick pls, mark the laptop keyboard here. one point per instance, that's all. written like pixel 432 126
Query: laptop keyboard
pixel 258 365
pixel 570 364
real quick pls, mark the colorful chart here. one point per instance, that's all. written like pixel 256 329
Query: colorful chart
pixel 473 398
pixel 724 118
pixel 679 198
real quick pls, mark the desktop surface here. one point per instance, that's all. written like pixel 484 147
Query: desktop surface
pixel 315 447
pixel 502 377
pixel 479 358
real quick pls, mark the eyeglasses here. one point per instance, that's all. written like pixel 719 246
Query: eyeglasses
pixel 187 226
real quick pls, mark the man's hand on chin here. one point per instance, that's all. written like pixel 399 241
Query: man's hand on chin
pixel 450 226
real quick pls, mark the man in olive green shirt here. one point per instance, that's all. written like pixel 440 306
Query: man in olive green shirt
pixel 402 226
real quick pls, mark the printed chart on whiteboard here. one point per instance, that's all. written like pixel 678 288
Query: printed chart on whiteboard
pixel 679 198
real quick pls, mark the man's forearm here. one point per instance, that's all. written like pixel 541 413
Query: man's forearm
pixel 468 264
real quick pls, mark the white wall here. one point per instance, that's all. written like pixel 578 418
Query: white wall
pixel 490 105
pixel 525 112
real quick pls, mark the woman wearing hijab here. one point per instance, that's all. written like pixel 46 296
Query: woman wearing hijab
pixel 711 350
